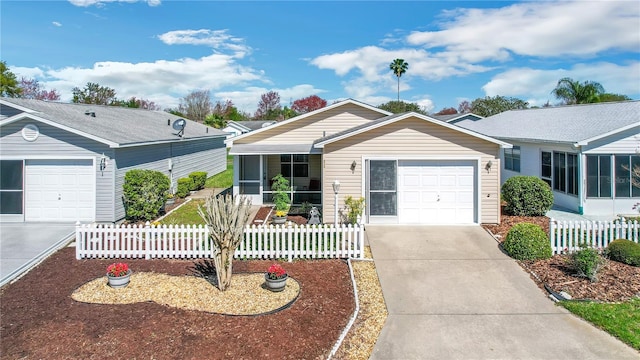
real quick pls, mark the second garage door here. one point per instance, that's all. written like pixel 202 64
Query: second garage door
pixel 436 192
pixel 59 190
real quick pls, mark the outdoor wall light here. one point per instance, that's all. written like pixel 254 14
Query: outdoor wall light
pixel 103 162
pixel 336 186
pixel 488 166
pixel 353 166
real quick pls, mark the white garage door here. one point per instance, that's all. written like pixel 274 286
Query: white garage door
pixel 59 190
pixel 436 192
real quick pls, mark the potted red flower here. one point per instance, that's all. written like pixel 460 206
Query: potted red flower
pixel 276 278
pixel 118 275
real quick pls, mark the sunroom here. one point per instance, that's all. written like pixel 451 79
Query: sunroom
pixel 303 171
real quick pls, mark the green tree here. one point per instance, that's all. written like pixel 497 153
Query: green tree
pixel 609 97
pixel 488 105
pixel 8 82
pixel 398 67
pixel 397 107
pixel 94 93
pixel 574 92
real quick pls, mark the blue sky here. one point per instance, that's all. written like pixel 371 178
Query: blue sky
pixel 163 50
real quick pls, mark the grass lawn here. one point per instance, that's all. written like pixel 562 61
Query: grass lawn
pixel 186 214
pixel 223 179
pixel 620 320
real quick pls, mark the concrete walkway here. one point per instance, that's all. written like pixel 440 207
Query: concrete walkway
pixel 452 294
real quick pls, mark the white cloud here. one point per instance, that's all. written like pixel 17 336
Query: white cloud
pixel 545 29
pixel 536 85
pixel 172 78
pixel 55 23
pixel 217 39
pixel 87 3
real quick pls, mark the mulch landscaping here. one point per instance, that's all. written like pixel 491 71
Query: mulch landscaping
pixel 263 214
pixel 616 281
pixel 41 320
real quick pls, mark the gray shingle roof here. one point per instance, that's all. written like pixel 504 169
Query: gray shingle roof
pixel 123 126
pixel 564 124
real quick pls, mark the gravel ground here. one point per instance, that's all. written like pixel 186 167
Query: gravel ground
pixel 245 296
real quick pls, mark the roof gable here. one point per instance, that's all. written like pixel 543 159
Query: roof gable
pixel 116 126
pixel 282 124
pixel 320 143
pixel 576 124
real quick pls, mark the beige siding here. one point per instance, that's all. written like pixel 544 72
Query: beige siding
pixel 410 138
pixel 307 130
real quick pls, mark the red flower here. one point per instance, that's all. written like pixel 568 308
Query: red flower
pixel 117 269
pixel 276 272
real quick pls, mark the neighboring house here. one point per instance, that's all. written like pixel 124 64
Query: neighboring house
pixel 584 152
pixel 235 128
pixel 66 162
pixel 412 169
pixel 457 118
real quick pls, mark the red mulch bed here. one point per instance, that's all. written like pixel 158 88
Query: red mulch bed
pixel 616 281
pixel 41 321
pixel 262 217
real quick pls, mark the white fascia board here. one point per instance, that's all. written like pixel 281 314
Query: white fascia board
pixel 420 116
pixel 598 137
pixel 23 116
pixel 303 116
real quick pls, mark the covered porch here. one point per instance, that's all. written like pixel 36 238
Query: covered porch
pixel 255 171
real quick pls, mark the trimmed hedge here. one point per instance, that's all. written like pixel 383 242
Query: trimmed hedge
pixel 199 179
pixel 527 196
pixel 624 251
pixel 184 186
pixel 144 194
pixel 526 241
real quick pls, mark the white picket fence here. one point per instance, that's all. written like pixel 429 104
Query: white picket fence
pixel 566 236
pixel 191 241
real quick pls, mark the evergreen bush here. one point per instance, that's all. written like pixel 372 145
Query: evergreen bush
pixel 526 241
pixel 199 179
pixel 624 251
pixel 527 196
pixel 144 193
pixel 184 186
pixel 586 262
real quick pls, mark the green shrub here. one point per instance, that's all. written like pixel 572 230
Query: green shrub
pixel 526 241
pixel 355 208
pixel 624 251
pixel 184 186
pixel 281 188
pixel 199 179
pixel 144 193
pixel 586 262
pixel 527 196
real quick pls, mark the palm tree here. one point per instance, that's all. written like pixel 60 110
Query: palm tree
pixel 399 67
pixel 573 92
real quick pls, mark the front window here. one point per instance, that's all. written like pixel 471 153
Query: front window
pixel 512 159
pixel 565 172
pixel 11 186
pixel 625 176
pixel 599 176
pixel 546 168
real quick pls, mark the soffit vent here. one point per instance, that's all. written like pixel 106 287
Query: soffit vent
pixel 30 132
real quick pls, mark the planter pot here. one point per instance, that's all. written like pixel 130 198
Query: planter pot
pixel 170 201
pixel 279 220
pixel 275 285
pixel 119 281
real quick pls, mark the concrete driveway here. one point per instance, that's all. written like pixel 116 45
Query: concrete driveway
pixel 23 245
pixel 452 294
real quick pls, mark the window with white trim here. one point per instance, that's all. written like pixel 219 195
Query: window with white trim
pixel 599 176
pixel 512 159
pixel 625 176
